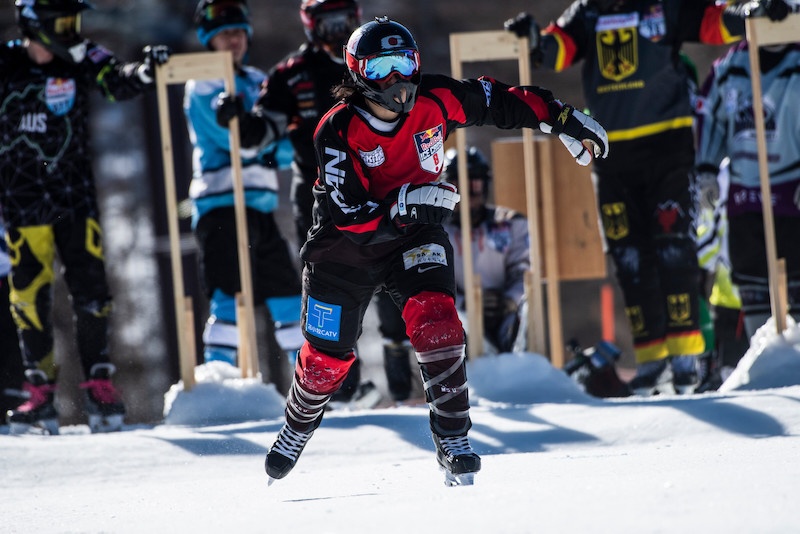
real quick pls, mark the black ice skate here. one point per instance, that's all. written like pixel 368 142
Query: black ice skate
pixel 284 453
pixel 38 414
pixel 103 405
pixel 651 378
pixel 457 459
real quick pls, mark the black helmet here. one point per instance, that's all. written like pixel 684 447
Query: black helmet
pixel 330 21
pixel 477 165
pixel 377 51
pixel 214 16
pixel 54 23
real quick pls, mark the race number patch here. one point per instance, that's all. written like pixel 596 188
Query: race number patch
pixel 323 320
pixel 432 253
pixel 430 149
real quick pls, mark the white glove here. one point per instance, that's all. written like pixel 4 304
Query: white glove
pixel 578 132
pixel 707 186
pixel 431 203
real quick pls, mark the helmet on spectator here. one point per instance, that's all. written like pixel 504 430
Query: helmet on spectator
pixel 330 22
pixel 383 61
pixel 56 24
pixel 479 174
pixel 214 16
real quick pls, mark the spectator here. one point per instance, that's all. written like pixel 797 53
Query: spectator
pixel 727 129
pixel 49 203
pixel 224 25
pixel 635 83
pixel 378 215
pixel 500 252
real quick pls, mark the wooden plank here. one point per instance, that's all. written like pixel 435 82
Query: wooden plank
pixel 578 243
pixel 178 70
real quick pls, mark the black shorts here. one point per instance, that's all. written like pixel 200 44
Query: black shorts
pixel 336 296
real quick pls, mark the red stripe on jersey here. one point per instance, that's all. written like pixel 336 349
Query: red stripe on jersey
pixel 455 110
pixel 712 28
pixel 534 101
pixel 362 228
pixel 566 47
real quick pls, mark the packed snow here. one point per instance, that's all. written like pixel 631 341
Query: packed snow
pixel 554 460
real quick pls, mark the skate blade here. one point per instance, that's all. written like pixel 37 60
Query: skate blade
pixel 101 425
pixel 464 479
pixel 271 481
pixel 48 427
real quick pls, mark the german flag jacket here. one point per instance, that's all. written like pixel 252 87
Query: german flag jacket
pixel 634 83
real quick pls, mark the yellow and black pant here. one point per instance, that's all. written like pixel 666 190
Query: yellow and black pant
pixel 33 249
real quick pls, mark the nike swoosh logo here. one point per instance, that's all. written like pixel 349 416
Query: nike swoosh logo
pixel 423 269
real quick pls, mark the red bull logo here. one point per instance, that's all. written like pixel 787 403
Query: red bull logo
pixel 430 148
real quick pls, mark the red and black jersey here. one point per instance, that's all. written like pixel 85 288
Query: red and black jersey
pixel 361 168
pixel 45 163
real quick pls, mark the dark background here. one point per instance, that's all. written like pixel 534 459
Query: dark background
pixel 129 176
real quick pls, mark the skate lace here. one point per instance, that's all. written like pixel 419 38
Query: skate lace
pixel 456 446
pixel 101 390
pixel 37 395
pixel 290 442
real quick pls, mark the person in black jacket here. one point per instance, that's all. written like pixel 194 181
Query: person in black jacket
pixel 48 198
pixel 378 213
pixel 636 85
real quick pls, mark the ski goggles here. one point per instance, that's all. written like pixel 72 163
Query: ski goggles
pixel 335 24
pixel 403 62
pixel 226 11
pixel 67 27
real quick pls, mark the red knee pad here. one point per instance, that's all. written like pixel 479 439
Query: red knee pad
pixel 432 321
pixel 318 372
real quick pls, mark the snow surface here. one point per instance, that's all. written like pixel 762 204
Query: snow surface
pixel 554 460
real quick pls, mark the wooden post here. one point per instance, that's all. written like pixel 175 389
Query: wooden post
pixel 187 367
pixel 489 46
pixel 178 70
pixel 764 32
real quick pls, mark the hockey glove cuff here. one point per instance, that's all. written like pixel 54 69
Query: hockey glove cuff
pixel 578 132
pixel 431 203
pixel 776 10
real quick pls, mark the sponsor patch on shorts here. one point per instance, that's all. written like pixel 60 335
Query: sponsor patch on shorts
pixel 323 320
pixel 430 253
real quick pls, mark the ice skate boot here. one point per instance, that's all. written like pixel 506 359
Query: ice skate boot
pixel 457 459
pixel 651 378
pixel 103 405
pixel 38 414
pixel 684 374
pixel 283 454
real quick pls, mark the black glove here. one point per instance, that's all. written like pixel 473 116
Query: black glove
pixel 496 306
pixel 430 203
pixel 774 9
pixel 252 129
pixel 153 55
pixel 576 130
pixel 524 25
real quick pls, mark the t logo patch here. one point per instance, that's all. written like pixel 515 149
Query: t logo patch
pixel 323 320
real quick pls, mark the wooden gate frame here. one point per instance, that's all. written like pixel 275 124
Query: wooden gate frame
pixel 178 70
pixel 490 46
pixel 761 31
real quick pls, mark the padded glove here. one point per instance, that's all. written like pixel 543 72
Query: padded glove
pixel 430 203
pixel 252 129
pixel 153 55
pixel 577 131
pixel 524 25
pixel 774 9
pixel 705 180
